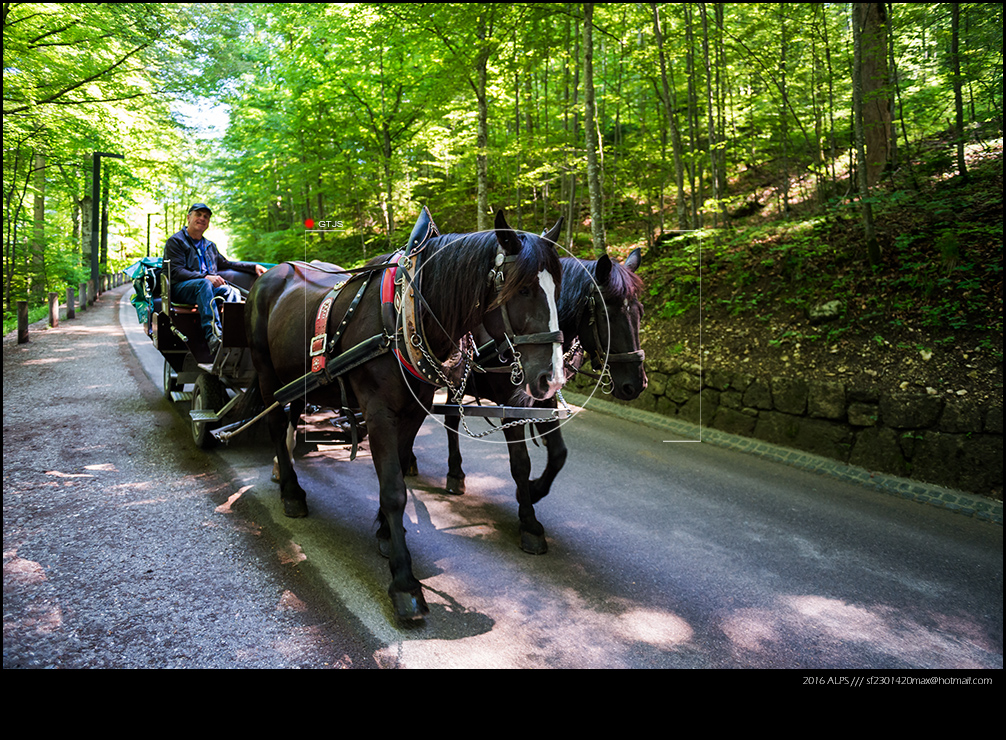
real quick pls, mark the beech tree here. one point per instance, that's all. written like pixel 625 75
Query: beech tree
pixel 625 118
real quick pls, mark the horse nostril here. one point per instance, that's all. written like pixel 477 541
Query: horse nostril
pixel 544 385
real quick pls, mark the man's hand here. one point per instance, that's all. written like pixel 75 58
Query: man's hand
pixel 259 270
pixel 215 280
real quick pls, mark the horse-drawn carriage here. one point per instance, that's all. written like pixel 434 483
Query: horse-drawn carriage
pixel 478 314
pixel 218 387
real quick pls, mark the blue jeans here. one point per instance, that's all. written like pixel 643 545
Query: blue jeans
pixel 201 293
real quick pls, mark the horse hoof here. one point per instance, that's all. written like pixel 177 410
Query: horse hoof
pixel 455 486
pixel 534 544
pixel 294 508
pixel 409 606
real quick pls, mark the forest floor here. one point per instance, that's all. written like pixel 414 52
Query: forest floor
pixel 928 318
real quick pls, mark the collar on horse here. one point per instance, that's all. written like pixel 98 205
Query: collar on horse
pixel 401 309
pixel 402 304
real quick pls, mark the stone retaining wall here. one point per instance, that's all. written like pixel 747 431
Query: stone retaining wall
pixel 947 442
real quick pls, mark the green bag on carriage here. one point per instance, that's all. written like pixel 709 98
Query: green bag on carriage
pixel 146 277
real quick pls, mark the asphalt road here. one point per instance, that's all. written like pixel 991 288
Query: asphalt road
pixel 663 552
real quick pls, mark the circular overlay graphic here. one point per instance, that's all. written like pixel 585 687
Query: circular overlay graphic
pixel 497 437
pixel 308 223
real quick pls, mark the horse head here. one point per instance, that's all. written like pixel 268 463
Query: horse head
pixel 523 317
pixel 607 324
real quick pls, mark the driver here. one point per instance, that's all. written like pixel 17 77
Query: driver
pixel 195 262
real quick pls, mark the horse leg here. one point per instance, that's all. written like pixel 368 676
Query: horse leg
pixel 556 449
pixel 291 494
pixel 532 534
pixel 455 475
pixel 291 442
pixel 410 466
pixel 387 445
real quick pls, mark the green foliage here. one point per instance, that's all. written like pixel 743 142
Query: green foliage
pixel 81 78
pixel 360 113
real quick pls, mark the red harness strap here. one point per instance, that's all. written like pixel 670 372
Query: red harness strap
pixel 388 297
pixel 320 339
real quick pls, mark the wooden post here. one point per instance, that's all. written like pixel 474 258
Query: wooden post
pixel 22 322
pixel 83 296
pixel 53 310
pixel 70 313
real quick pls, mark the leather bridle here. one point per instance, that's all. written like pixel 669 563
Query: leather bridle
pixel 594 313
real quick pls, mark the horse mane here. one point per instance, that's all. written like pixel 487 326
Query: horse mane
pixel 578 282
pixel 455 274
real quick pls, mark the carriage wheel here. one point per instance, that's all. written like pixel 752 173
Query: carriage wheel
pixel 208 395
pixel 170 380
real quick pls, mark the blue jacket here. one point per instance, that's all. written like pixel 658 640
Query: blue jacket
pixel 184 256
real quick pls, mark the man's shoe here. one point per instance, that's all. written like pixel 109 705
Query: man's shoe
pixel 214 345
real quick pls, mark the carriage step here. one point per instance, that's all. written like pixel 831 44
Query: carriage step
pixel 500 412
pixel 201 416
pixel 177 396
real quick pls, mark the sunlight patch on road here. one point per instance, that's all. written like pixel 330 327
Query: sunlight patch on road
pixel 22 571
pixel 291 554
pixel 225 508
pixel 764 637
pixel 660 629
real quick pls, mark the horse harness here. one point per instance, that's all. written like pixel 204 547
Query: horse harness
pixel 404 334
pixel 574 356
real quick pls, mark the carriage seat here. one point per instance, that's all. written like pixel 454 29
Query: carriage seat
pixel 185 317
pixel 240 279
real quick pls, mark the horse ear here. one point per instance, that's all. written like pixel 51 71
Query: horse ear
pixel 506 236
pixel 634 259
pixel 602 270
pixel 552 235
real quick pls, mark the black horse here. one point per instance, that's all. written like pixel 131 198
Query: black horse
pixel 373 358
pixel 599 315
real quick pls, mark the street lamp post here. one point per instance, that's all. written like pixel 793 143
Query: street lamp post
pixel 96 215
pixel 148 230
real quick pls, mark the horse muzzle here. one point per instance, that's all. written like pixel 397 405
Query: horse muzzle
pixel 548 381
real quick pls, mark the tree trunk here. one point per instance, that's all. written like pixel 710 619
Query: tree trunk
pixel 593 143
pixel 482 143
pixel 783 115
pixel 713 169
pixel 694 159
pixel 671 120
pixel 955 60
pixel 872 246
pixel 574 208
pixel 38 233
pixel 871 19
